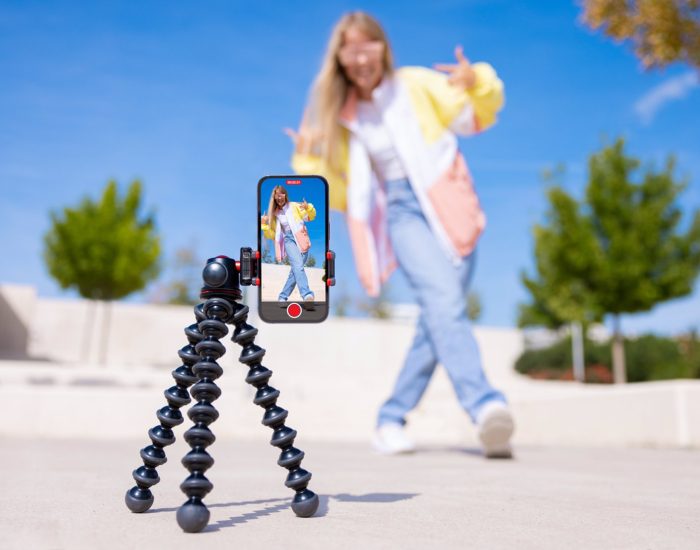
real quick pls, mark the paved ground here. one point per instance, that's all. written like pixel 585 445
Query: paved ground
pixel 69 494
pixel 275 277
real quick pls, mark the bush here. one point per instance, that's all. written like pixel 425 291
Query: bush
pixel 648 357
pixel 558 358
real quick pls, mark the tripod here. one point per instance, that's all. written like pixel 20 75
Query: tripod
pixel 200 370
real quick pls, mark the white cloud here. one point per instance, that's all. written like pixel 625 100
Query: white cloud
pixel 674 88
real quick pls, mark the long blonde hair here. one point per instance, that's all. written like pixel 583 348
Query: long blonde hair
pixel 272 205
pixel 331 86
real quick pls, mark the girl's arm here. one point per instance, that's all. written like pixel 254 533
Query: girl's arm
pixel 308 211
pixel 304 161
pixel 467 101
pixel 268 232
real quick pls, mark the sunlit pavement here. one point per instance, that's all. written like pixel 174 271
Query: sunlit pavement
pixel 70 494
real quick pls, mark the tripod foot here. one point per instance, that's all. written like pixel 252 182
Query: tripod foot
pixel 138 500
pixel 305 504
pixel 192 517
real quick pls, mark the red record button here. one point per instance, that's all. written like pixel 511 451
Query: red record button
pixel 294 310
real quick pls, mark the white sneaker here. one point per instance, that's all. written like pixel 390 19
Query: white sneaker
pixel 496 425
pixel 391 439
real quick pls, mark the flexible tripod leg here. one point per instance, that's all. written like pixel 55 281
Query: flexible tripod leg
pixel 193 515
pixel 139 498
pixel 305 502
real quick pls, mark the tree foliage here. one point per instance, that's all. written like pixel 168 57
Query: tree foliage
pixel 639 258
pixel 564 247
pixel 105 250
pixel 661 31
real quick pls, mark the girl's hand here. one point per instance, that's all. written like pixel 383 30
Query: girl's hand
pixel 304 204
pixel 303 140
pixel 461 74
pixel 264 219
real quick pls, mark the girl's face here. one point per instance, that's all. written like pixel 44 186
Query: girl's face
pixel 361 57
pixel 280 198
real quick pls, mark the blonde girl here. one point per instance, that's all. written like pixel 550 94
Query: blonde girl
pixel 385 138
pixel 285 223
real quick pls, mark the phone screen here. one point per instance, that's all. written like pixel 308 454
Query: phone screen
pixel 293 242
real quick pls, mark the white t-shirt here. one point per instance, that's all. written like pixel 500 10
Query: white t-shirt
pixel 282 218
pixel 376 139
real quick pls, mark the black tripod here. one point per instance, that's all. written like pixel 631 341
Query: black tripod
pixel 221 290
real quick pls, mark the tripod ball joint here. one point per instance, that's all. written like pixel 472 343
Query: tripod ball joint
pixel 215 274
pixel 192 517
pixel 220 277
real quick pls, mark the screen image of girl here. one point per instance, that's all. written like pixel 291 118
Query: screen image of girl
pixel 385 139
pixel 284 223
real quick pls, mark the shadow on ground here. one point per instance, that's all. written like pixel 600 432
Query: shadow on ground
pixel 284 504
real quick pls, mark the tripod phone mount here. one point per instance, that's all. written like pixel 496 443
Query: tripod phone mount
pixel 222 278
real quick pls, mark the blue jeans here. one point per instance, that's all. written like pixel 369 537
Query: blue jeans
pixel 297 275
pixel 444 332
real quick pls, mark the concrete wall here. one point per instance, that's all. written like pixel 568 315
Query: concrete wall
pixel 332 377
pixel 17 311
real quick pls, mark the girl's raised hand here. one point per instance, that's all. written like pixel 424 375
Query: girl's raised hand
pixel 264 219
pixel 303 139
pixel 462 74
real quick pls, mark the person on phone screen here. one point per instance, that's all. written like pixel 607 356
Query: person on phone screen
pixel 385 139
pixel 285 223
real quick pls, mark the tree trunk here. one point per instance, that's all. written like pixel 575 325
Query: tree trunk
pixel 104 340
pixel 618 353
pixel 88 331
pixel 577 351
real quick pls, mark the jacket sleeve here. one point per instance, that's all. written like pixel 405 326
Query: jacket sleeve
pixel 268 231
pixel 337 180
pixel 310 211
pixel 486 96
pixel 464 111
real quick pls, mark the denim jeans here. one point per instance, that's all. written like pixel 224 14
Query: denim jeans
pixel 297 275
pixel 444 332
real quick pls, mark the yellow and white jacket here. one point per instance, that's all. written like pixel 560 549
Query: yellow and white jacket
pixel 422 113
pixel 297 215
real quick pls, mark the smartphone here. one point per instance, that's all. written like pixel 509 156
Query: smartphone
pixel 293 233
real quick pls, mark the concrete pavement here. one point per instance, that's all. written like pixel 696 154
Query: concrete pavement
pixel 69 494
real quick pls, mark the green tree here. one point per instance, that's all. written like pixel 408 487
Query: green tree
pixel 474 306
pixel 642 257
pixel 620 251
pixel 311 261
pixel 187 281
pixel 341 302
pixel 266 256
pixel 378 307
pixel 558 292
pixel 661 31
pixel 103 249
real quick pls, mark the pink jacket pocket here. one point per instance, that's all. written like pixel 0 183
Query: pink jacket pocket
pixel 302 238
pixel 457 207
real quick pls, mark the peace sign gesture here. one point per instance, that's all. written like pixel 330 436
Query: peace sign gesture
pixel 462 74
pixel 303 140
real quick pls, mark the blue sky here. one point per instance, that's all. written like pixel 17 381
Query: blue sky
pixel 313 190
pixel 192 99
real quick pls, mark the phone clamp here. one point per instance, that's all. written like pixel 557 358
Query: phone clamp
pixel 330 268
pixel 222 278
